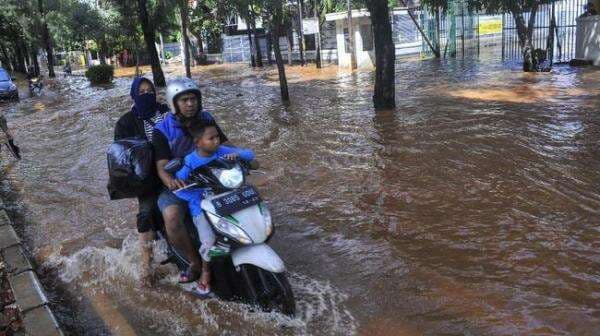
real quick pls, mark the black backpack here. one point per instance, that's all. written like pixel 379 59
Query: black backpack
pixel 131 169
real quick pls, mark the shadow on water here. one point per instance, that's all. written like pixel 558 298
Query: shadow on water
pixel 470 209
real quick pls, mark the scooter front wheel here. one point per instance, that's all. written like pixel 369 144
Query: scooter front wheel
pixel 271 291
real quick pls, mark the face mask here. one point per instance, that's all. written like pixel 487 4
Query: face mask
pixel 145 105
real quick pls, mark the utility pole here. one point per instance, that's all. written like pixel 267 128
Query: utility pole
pixel 351 37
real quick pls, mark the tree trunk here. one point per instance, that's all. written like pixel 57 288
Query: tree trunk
pixel 162 48
pixel 25 54
pixel 200 41
pixel 290 45
pixel 36 64
pixel 415 20
pixel 301 47
pixel 438 30
pixel 269 47
pixel 285 95
pixel 252 25
pixel 550 41
pixel 259 62
pixel 103 50
pixel 317 14
pixel 47 40
pixel 353 64
pixel 149 37
pixel 183 12
pixel 525 34
pixel 19 58
pixel 384 96
pixel 5 58
pixel 252 59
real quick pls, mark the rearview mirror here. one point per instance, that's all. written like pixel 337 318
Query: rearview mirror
pixel 13 79
pixel 173 166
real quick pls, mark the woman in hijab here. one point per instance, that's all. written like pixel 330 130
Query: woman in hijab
pixel 139 123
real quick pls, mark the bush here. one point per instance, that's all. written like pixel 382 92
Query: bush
pixel 100 74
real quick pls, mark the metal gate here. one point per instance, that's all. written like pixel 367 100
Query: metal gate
pixel 566 14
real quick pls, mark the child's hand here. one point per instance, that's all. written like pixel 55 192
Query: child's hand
pixel 231 157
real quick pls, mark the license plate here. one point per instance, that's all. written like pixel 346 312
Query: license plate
pixel 238 200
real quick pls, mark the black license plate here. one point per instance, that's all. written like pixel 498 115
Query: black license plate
pixel 238 200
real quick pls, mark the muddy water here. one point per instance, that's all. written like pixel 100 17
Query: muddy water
pixel 472 209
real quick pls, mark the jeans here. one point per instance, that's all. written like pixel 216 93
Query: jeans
pixel 206 235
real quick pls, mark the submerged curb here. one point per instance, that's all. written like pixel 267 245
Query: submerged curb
pixel 23 302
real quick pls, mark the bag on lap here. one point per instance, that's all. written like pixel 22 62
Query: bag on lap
pixel 131 169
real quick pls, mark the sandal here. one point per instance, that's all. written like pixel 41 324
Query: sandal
pixel 202 290
pixel 189 275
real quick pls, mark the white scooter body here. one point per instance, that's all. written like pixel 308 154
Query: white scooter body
pixel 252 221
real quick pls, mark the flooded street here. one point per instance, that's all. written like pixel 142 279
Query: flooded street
pixel 472 209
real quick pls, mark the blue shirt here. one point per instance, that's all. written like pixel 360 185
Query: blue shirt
pixel 193 161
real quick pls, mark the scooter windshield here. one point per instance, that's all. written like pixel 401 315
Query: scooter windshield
pixel 230 178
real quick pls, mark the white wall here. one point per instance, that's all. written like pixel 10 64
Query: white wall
pixel 588 39
pixel 364 59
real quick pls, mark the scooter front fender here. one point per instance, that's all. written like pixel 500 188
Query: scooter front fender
pixel 261 255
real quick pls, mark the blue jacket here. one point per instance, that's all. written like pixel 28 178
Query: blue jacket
pixel 180 143
pixel 193 161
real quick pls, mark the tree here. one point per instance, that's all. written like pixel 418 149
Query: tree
pixel 317 17
pixel 184 20
pixel 385 55
pixel 249 11
pixel 205 21
pixel 274 13
pixel 46 39
pixel 297 21
pixel 148 30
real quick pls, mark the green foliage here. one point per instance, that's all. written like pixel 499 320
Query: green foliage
pixel 491 6
pixel 100 74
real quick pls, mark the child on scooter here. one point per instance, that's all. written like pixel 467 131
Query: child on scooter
pixel 208 148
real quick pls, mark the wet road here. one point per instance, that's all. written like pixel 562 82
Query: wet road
pixel 472 209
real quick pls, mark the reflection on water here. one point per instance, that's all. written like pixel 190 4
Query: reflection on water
pixel 470 209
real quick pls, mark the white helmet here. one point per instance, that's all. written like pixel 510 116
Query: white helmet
pixel 179 86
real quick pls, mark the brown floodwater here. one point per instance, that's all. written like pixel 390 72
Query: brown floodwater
pixel 471 209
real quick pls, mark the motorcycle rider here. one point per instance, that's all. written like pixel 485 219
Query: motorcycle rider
pixel 139 122
pixel 206 139
pixel 171 140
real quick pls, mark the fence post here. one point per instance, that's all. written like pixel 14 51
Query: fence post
pixel 503 37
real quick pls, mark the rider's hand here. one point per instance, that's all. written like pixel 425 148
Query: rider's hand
pixel 174 184
pixel 231 157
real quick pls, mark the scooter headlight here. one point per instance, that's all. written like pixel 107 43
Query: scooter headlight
pixel 266 213
pixel 230 229
pixel 230 178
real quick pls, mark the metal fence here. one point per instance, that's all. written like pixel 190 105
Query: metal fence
pixel 566 13
pixel 454 33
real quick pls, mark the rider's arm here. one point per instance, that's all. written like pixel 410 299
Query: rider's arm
pixel 184 172
pixel 123 129
pixel 243 153
pixel 168 180
pixel 162 155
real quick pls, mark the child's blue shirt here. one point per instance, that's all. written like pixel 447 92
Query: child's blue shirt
pixel 192 161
